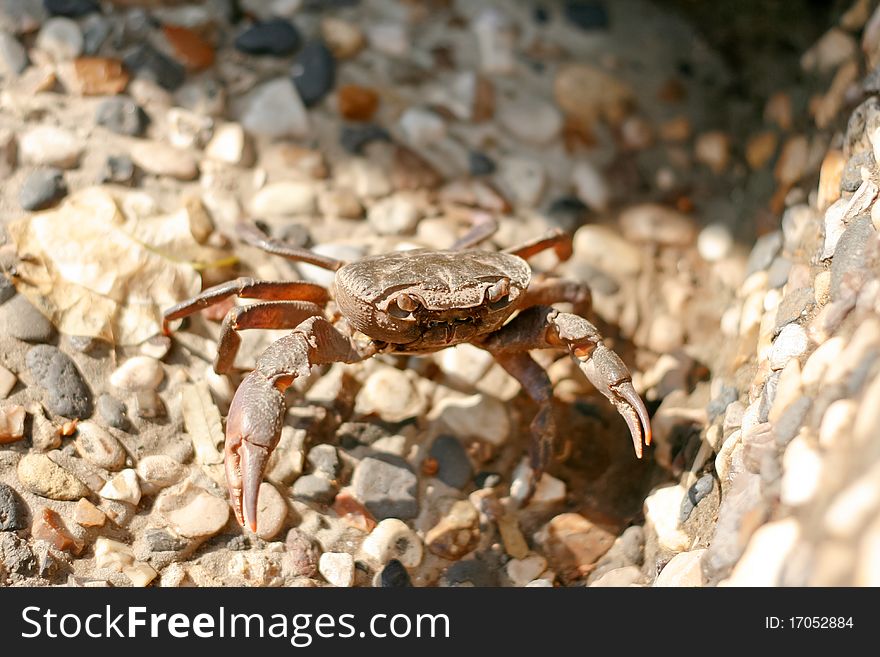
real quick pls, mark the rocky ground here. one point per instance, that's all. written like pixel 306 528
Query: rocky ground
pixel 135 135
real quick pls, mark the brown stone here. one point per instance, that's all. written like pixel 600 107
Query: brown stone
pixel 574 545
pixel 87 514
pixel 457 533
pixel 357 103
pixel 99 76
pixel 353 513
pixel 411 171
pixel 191 49
pixel 48 526
pixel 11 423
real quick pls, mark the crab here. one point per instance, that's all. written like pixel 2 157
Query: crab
pixel 407 302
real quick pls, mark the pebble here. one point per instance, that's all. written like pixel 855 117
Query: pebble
pixel 275 110
pixel 523 179
pixel 277 37
pixel 160 470
pixel 95 29
pixel 42 189
pixel 715 242
pixel 531 120
pixel 683 569
pixel 61 38
pixel 590 15
pixel 422 127
pixel 588 94
pixel 471 572
pixel 231 144
pixel 606 250
pixel 850 254
pixel 47 145
pixel 398 214
pixel 574 544
pixel 71 8
pixel 477 416
pixel 802 472
pixel 852 508
pixel 790 343
pixel 163 160
pixel 837 422
pixel 192 511
pixel 67 392
pixel 454 466
pixel 650 222
pixel 766 555
pixel 88 515
pixel 344 39
pixel 48 526
pixel 387 487
pixel 619 577
pixel 314 72
pixel 353 513
pixel 663 511
pixel 7 382
pixel 695 495
pixel 340 203
pixel 392 539
pixel 394 575
pixel 302 554
pixel 124 487
pixel 391 394
pixel 337 568
pixel 13 57
pixel 357 103
pixel 21 320
pixel 389 38
pixel 149 63
pixel 761 148
pixel 314 488
pixel 713 150
pixel 324 460
pixel 40 475
pixel 271 512
pixel 97 446
pixel 122 115
pixel 98 76
pixel 523 571
pixel 590 186
pixel 284 199
pixel 496 41
pixel 138 373
pixel 457 533
pixel 12 514
pixel 112 411
pixel 355 138
pixel 480 164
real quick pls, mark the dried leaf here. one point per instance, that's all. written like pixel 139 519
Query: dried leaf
pixel 202 421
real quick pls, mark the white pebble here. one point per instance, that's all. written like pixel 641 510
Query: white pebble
pixel 337 568
pixel 283 199
pixel 274 109
pixel 714 242
pixel 393 539
pixel 662 510
pixel 477 416
pixel 590 186
pixel 523 571
pixel 790 343
pixel 766 555
pixel 49 146
pixel 160 470
pixel 61 38
pixel 138 373
pixel 683 569
pixel 124 487
pixel 422 127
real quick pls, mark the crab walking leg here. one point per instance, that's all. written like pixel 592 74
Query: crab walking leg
pixel 547 291
pixel 256 414
pixel 542 327
pixel 557 240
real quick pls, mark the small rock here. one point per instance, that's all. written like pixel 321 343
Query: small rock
pixel 760 148
pixel 274 109
pixel 590 186
pixel 68 394
pixel 791 342
pixel 663 511
pixel 192 511
pixel 138 373
pixel 567 213
pixel 230 144
pixel 344 39
pixel 277 37
pixel 122 115
pixel 124 487
pixel 49 146
pixel 590 94
pixel 619 577
pixel 387 487
pixel 11 423
pixel 389 38
pixel 61 38
pixel 695 495
pixel 271 512
pixel 151 64
pixel 457 533
pixel 851 252
pixel 713 150
pixel 353 513
pixel 523 571
pixel 477 416
pixel 531 120
pixel 7 382
pixel 802 472
pixel 314 72
pixel 12 513
pixel 606 250
pixel 148 404
pixel 314 488
pixel 589 15
pixel 480 164
pixel 355 138
pixel 523 179
pixel 471 572
pixel 341 204
pixel 766 555
pixel 397 214
pixel 162 160
pixel 574 544
pixel 95 29
pixel 393 540
pixel 337 568
pixel 409 170
pixel 714 242
pixel 42 476
pixel 13 57
pixel 324 460
pixel 391 394
pixel 357 103
pixel 97 446
pixel 97 76
pixel 88 515
pixel 160 470
pixel 454 466
pixel 21 320
pixel 113 555
pixel 71 8
pixel 650 222
pixel 394 575
pixel 112 411
pixel 496 40
pixel 140 574
pixel 422 127
pixel 302 554
pixel 48 526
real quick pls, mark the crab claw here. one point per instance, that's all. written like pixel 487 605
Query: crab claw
pixel 253 428
pixel 611 377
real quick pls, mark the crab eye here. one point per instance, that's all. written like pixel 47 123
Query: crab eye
pixel 498 294
pixel 402 305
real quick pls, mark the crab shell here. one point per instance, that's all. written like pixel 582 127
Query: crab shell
pixel 450 288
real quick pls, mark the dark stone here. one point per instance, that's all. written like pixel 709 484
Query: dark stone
pixel 851 179
pixel 314 72
pixel 43 188
pixel 387 486
pixel 68 394
pixel 541 15
pixel 21 320
pixel 324 460
pixel 71 8
pixel 794 306
pixel 695 494
pixel 148 62
pixel 777 274
pixel 355 138
pixel 487 479
pixel 849 256
pixel 7 289
pixel 120 114
pixel 12 515
pixel 95 31
pixel 159 540
pixel 568 213
pixel 352 434
pixel 719 404
pixel 855 140
pixel 480 164
pixel 789 423
pixel 587 15
pixel 765 249
pixel 632 545
pixel 314 488
pixel 470 571
pixel 112 411
pixel 394 575
pixel 453 465
pixel 118 169
pixel 277 37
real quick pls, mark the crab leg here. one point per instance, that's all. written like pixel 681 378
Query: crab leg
pixel 543 327
pixel 256 414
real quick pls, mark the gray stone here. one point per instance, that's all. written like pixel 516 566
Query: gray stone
pixel 21 16
pixel 120 114
pixel 21 320
pixel 118 169
pixel 695 495
pixel 148 62
pixel 61 38
pixel 471 571
pixel 788 424
pixel 453 465
pixel 387 486
pixel 852 172
pixel 777 274
pixel 794 305
pixel 68 394
pixel 632 543
pixel 160 540
pixel 765 249
pixel 314 488
pixel 15 555
pixel 112 411
pixel 12 514
pixel 849 255
pixel 324 460
pixel 719 404
pixel 95 31
pixel 13 58
pixel 276 36
pixel 42 189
